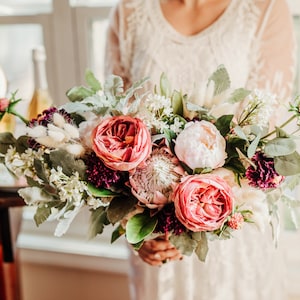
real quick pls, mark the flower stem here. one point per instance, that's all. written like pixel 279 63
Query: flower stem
pixel 281 126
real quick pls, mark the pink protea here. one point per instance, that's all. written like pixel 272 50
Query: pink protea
pixel 263 175
pixel 153 184
pixel 236 221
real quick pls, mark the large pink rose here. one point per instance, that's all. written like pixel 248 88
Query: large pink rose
pixel 203 202
pixel 122 142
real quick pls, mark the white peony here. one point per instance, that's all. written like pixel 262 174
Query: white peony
pixel 200 145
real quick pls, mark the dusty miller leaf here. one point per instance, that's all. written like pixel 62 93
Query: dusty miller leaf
pixel 221 80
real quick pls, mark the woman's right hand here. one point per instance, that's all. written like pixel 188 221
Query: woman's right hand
pixel 158 251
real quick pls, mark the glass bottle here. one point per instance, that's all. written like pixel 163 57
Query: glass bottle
pixel 41 98
pixel 8 122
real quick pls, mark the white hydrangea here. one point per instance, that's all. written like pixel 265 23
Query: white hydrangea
pixel 70 189
pixel 260 107
pixel 22 164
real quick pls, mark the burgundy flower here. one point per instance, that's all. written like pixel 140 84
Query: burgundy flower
pixel 263 175
pixel 46 117
pixel 168 222
pixel 100 175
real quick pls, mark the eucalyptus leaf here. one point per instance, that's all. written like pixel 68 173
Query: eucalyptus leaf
pixel 68 162
pixel 184 243
pixel 92 81
pixel 253 146
pixel 165 86
pixel 281 133
pixel 221 80
pixel 40 170
pixel 202 247
pixel 78 93
pixel 240 133
pixel 139 227
pixel 22 144
pixel 177 103
pixel 113 85
pixel 119 207
pixel 42 214
pixel 287 165
pixel 6 140
pixel 238 95
pixel 280 147
pixel 98 220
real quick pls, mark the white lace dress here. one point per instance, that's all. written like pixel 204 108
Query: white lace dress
pixel 254 40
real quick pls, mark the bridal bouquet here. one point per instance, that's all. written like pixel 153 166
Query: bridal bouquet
pixel 157 163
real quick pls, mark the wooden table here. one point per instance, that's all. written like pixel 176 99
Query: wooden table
pixel 9 279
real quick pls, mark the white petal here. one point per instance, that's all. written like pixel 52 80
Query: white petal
pixel 58 120
pixel 72 131
pixel 37 131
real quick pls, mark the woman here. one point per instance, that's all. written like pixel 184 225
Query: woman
pixel 188 39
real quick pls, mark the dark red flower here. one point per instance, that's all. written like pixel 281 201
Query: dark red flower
pixel 263 175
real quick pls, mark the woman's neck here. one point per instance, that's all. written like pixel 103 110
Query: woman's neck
pixel 190 17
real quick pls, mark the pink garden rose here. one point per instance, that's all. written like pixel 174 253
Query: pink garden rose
pixel 203 202
pixel 4 103
pixel 200 145
pixel 122 142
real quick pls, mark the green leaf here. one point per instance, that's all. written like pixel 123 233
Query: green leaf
pixel 6 140
pixel 42 214
pixel 22 144
pixel 118 232
pixel 100 192
pixel 119 207
pixel 40 170
pixel 177 103
pixel 98 220
pixel 165 86
pixel 92 81
pixel 221 79
pixel 238 95
pixel 78 93
pixel 223 124
pixel 68 163
pixel 287 165
pixel 280 147
pixel 202 247
pixel 138 227
pixel 253 146
pixel 43 211
pixel 184 243
pixel 240 133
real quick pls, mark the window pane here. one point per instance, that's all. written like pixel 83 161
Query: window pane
pixel 94 3
pixel 97 47
pixel 15 57
pixel 24 7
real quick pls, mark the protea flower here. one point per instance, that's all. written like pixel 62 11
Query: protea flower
pixel 153 184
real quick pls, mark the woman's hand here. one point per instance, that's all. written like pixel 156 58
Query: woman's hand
pixel 158 251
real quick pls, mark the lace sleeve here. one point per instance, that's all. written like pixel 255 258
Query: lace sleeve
pixel 119 41
pixel 273 64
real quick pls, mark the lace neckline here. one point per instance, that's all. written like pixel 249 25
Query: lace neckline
pixel 159 20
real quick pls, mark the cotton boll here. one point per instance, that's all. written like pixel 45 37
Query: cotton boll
pixel 75 149
pixel 37 131
pixel 56 136
pixel 58 120
pixel 47 141
pixel 71 130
